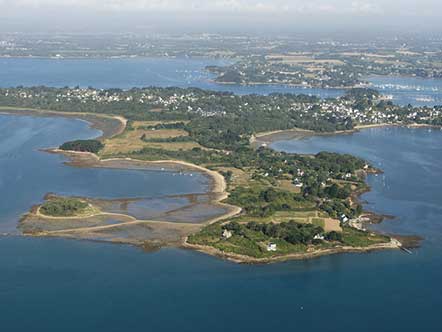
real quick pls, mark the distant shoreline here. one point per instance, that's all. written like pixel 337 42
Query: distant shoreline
pixel 267 138
pixel 110 57
pixel 293 85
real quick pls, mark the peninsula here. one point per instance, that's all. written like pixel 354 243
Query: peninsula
pixel 265 205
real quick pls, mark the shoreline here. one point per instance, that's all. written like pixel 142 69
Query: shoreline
pixel 218 186
pixel 109 125
pixel 88 159
pixel 292 85
pixel 243 259
pixel 266 138
pixel 181 229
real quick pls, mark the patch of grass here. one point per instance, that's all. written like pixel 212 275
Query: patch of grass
pixel 234 176
pixel 356 238
pixel 318 222
pixel 137 136
pixel 241 245
pixel 288 186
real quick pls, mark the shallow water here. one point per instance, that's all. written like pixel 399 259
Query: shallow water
pixel 27 174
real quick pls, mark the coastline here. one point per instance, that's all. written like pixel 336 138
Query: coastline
pixel 242 259
pixel 218 188
pixel 109 125
pixel 166 233
pixel 293 85
pixel 88 159
pixel 267 138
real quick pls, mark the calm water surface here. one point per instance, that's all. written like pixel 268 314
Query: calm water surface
pixel 27 174
pixel 410 90
pixel 56 284
pixel 131 72
pixel 184 72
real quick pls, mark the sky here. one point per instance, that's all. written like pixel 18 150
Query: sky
pixel 218 15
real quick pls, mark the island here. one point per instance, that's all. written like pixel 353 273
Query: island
pixel 263 205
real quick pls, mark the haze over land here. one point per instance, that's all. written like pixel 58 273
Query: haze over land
pixel 222 16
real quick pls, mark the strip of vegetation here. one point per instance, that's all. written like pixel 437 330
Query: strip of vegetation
pixel 160 126
pixel 177 139
pixel 90 145
pixel 223 120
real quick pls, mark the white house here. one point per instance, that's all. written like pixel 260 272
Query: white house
pixel 271 247
pixel 298 183
pixel 319 237
pixel 344 218
pixel 227 234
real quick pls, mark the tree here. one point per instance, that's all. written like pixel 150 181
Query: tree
pixel 334 236
pixel 91 145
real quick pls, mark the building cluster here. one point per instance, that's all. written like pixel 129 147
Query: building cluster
pixel 209 105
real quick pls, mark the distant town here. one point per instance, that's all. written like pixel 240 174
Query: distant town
pixel 308 62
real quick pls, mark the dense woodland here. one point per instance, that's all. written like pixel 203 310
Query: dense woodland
pixel 63 207
pixel 90 145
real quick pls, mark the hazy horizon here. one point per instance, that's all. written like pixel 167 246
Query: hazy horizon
pixel 219 16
